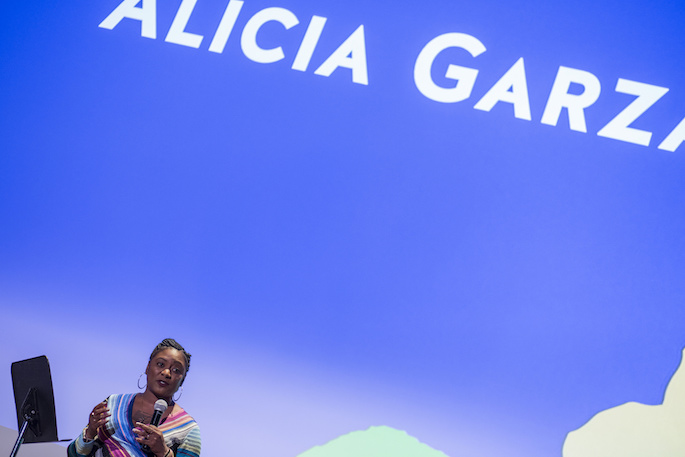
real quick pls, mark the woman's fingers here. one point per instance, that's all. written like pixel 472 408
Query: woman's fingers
pixel 98 417
pixel 150 435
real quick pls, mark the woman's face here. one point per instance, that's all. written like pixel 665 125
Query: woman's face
pixel 165 372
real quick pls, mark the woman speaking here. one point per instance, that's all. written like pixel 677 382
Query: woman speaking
pixel 123 425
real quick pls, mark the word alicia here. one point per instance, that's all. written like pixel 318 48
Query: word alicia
pixel 512 88
pixel 350 54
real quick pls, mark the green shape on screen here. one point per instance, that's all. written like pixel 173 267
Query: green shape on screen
pixel 375 442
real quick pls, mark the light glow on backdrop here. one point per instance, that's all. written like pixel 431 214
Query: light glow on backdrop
pixel 462 220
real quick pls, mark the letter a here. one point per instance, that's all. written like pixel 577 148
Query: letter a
pixel 147 15
pixel 511 88
pixel 351 54
pixel 675 138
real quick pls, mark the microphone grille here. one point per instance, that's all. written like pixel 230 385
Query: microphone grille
pixel 161 405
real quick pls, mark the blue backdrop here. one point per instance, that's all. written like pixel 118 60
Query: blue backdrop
pixel 340 252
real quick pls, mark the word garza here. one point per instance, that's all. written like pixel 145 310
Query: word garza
pixel 350 54
pixel 512 88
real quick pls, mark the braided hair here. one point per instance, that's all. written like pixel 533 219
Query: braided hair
pixel 173 344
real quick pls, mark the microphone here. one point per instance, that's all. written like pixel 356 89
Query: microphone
pixel 160 407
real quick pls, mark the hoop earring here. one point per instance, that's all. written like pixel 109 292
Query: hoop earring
pixel 141 388
pixel 179 397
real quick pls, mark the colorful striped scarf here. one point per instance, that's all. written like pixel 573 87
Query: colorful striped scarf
pixel 116 438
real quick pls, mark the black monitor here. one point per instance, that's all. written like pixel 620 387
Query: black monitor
pixel 34 400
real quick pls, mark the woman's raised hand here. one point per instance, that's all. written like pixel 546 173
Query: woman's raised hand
pixel 97 419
